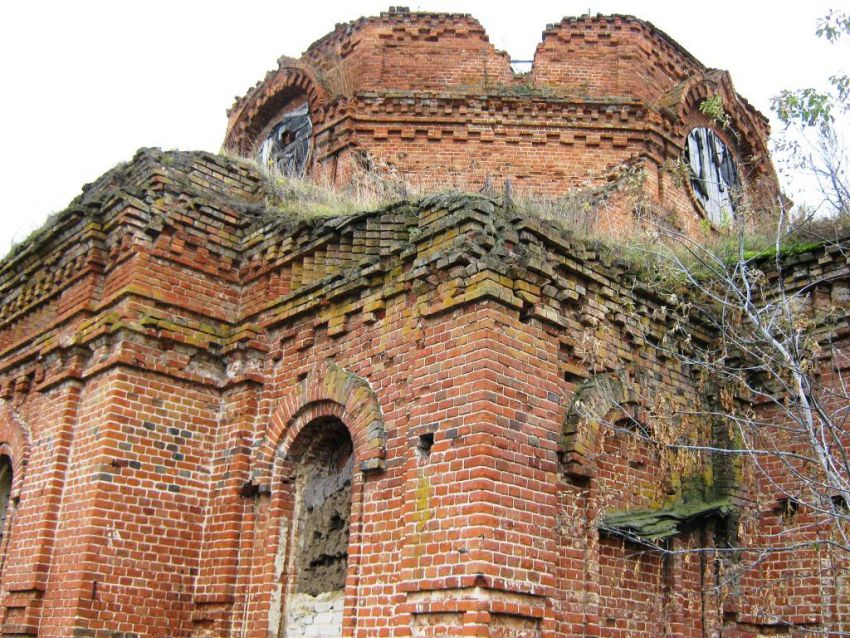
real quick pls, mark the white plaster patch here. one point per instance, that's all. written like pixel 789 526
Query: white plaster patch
pixel 314 616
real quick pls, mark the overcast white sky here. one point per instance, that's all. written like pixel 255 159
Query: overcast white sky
pixel 85 83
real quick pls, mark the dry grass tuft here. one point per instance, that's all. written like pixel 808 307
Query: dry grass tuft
pixel 616 218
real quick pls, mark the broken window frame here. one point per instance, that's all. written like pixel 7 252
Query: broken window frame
pixel 287 147
pixel 715 183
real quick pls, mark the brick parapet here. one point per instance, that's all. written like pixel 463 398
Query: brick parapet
pixel 611 55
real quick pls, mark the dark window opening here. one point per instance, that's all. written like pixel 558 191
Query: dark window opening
pixel 788 507
pixel 423 447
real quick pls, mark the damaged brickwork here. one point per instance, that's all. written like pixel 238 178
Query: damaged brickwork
pixel 425 100
pixel 389 421
pixel 321 530
pixel 324 524
pixel 222 420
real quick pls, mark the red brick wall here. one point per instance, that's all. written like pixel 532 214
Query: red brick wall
pixel 402 50
pixel 138 473
pixel 429 101
pixel 150 422
pixel 611 56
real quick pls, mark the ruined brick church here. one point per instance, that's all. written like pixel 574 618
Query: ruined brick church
pixel 221 421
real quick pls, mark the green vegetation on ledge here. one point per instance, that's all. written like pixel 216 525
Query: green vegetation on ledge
pixel 658 524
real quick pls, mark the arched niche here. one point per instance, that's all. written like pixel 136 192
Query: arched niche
pixel 14 456
pixel 603 397
pixel 14 443
pixel 328 391
pixel 314 477
pixel 326 434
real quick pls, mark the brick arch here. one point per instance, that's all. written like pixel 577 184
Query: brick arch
pixel 327 391
pixel 593 402
pixel 259 107
pixel 700 88
pixel 14 443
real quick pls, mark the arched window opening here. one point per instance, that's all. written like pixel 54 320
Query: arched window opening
pixel 5 495
pixel 322 459
pixel 287 146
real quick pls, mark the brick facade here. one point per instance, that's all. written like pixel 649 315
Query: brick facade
pixel 223 421
pixel 425 98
